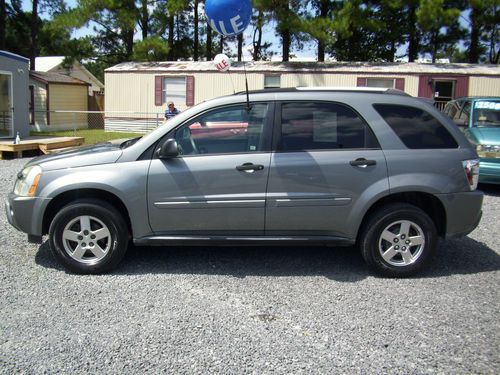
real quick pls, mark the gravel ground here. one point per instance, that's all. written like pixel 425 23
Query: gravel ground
pixel 250 310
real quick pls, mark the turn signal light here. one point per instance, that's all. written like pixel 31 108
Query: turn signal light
pixel 471 169
pixel 34 185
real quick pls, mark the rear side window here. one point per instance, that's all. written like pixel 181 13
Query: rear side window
pixel 416 128
pixel 323 126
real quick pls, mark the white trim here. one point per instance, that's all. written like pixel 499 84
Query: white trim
pixel 11 103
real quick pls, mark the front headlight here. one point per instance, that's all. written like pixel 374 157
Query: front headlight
pixel 488 151
pixel 27 181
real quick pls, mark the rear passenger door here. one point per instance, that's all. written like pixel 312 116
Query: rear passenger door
pixel 327 164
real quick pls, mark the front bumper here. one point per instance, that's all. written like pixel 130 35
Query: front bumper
pixel 489 171
pixel 26 213
pixel 463 212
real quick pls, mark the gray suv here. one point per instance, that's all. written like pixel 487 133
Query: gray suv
pixel 374 168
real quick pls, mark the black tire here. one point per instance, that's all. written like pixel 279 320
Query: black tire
pixel 398 239
pixel 88 220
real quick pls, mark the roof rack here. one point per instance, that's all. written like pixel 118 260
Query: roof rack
pixel 379 90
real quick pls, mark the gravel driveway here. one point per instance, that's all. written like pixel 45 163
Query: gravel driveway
pixel 250 310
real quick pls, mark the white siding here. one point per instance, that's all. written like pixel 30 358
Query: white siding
pixel 135 92
pixel 484 86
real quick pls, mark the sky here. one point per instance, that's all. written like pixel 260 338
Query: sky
pixel 309 49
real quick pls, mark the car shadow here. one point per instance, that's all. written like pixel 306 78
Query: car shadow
pixel 490 189
pixel 454 257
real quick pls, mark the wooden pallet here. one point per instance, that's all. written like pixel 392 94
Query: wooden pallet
pixel 45 145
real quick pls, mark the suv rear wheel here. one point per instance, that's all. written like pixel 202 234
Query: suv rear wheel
pixel 88 236
pixel 397 239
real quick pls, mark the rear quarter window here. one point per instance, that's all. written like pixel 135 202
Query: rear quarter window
pixel 416 128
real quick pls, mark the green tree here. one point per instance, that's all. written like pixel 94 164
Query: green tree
pixel 434 16
pixel 356 27
pixel 320 25
pixel 484 38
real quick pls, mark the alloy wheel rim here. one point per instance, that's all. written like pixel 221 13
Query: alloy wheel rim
pixel 401 243
pixel 86 239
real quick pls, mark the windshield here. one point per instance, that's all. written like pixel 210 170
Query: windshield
pixel 486 114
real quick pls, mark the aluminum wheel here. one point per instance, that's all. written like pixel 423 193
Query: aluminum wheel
pixel 86 239
pixel 401 243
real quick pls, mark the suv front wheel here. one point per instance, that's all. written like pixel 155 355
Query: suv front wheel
pixel 397 239
pixel 88 236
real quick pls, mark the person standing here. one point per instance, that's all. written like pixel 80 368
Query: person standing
pixel 171 111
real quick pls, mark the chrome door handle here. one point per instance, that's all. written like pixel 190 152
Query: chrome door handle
pixel 362 162
pixel 250 167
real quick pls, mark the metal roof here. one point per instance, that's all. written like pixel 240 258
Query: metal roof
pixel 309 67
pixel 13 56
pixel 50 77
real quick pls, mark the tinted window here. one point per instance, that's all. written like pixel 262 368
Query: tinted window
pixel 416 128
pixel 312 126
pixel 228 130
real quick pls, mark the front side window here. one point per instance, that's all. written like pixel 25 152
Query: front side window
pixel 486 114
pixel 228 130
pixel 313 126
pixel 416 128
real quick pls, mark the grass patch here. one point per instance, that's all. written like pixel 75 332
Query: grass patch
pixel 92 136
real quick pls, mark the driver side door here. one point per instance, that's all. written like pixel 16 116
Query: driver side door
pixel 217 185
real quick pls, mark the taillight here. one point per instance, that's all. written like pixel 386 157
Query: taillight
pixel 471 169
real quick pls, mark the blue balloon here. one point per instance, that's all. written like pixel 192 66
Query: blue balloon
pixel 228 17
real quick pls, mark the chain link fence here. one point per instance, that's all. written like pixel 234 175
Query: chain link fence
pixel 94 126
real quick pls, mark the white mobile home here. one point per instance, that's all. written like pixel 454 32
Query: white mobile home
pixel 143 89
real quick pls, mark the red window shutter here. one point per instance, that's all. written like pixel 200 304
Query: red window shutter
pixel 425 87
pixel 461 87
pixel 158 90
pixel 190 91
pixel 400 84
pixel 361 82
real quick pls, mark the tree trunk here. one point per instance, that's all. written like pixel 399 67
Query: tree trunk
pixel 240 46
pixel 286 41
pixel 323 13
pixel 144 19
pixel 221 46
pixel 129 43
pixel 171 51
pixel 257 37
pixel 196 45
pixel 209 43
pixel 34 35
pixel 3 21
pixel 473 55
pixel 434 42
pixel 413 40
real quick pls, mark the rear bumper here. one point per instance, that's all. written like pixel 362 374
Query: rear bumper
pixel 489 171
pixel 463 212
pixel 26 213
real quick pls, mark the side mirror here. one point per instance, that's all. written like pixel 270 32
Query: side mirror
pixel 169 149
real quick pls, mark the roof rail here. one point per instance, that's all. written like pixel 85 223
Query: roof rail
pixel 380 90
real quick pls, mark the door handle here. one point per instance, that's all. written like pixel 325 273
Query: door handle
pixel 362 162
pixel 249 167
